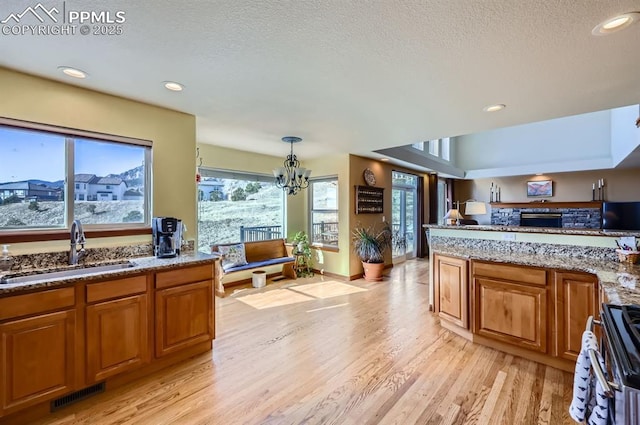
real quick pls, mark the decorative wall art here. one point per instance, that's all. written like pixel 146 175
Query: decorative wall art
pixel 540 188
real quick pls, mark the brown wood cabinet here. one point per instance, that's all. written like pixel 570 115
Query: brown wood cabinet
pixel 57 341
pixel 576 299
pixel 184 309
pixel 37 359
pixel 510 304
pixel 38 343
pixel 451 289
pixel 117 328
pixel 512 313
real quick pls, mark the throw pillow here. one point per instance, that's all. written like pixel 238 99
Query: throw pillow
pixel 232 256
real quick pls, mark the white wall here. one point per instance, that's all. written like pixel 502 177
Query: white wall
pixel 572 143
pixel 625 136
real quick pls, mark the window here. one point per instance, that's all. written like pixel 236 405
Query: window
pixel 446 146
pixel 54 176
pixel 238 207
pixel 419 146
pixel 324 211
pixel 434 147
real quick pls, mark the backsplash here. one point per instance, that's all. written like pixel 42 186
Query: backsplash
pixel 94 255
pixel 582 218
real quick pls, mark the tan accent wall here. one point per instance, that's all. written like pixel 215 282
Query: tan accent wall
pixel 173 134
pixel 382 171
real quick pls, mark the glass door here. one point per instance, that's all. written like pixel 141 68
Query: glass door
pixel 404 211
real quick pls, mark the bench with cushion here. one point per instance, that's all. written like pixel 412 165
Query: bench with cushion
pixel 236 257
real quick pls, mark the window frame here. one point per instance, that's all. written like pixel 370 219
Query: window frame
pixel 33 234
pixel 320 245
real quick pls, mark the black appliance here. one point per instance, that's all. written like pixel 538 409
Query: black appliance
pixel 620 347
pixel 167 236
pixel 541 219
pixel 621 215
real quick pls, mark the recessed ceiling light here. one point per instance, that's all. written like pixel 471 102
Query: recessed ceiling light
pixel 494 108
pixel 173 86
pixel 538 174
pixel 73 72
pixel 616 23
pixel 384 159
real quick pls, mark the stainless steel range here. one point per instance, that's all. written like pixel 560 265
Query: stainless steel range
pixel 621 350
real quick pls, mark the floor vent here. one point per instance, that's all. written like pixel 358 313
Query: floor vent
pixel 77 396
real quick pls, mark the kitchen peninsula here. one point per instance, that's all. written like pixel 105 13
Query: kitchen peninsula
pixel 526 290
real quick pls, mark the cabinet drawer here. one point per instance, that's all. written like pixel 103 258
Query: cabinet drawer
pixel 116 288
pixel 515 273
pixel 184 275
pixel 38 302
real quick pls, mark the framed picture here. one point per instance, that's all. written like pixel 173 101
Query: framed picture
pixel 540 188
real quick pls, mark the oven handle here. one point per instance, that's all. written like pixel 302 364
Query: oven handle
pixel 590 322
pixel 607 387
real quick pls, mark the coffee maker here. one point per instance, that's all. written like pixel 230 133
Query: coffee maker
pixel 167 236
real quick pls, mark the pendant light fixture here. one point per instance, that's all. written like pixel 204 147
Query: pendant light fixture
pixel 291 178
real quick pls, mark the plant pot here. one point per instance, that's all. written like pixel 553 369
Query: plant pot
pixel 373 271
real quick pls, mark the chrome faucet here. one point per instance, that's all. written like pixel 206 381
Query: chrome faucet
pixel 77 237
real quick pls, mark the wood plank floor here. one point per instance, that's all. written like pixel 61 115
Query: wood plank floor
pixel 370 357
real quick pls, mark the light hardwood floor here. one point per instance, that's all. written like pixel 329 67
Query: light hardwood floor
pixel 371 357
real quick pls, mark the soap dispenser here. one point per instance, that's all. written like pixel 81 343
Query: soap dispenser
pixel 6 261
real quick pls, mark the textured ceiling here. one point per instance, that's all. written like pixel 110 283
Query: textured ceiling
pixel 348 76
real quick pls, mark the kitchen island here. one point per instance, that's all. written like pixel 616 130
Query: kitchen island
pixel 527 291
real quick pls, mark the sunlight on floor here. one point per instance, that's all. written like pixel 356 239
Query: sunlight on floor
pixel 298 294
pixel 327 289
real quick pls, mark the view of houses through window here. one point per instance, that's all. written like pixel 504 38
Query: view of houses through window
pixel 238 207
pixel 108 180
pixel 324 211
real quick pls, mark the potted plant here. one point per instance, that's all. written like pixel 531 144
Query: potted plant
pixel 398 246
pixel 302 247
pixel 370 244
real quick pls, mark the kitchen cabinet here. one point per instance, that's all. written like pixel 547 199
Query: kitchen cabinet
pixel 576 297
pixel 184 308
pixel 451 289
pixel 117 321
pixel 511 304
pixel 62 340
pixel 38 348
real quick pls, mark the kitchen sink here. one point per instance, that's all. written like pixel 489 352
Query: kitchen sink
pixel 57 274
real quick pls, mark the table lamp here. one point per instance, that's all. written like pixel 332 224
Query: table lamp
pixel 475 208
pixel 453 215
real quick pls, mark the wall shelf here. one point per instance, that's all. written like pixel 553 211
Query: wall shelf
pixel 369 200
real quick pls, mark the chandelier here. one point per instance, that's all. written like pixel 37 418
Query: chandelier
pixel 291 177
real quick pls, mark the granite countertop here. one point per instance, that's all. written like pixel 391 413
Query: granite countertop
pixel 525 229
pixel 620 281
pixel 141 264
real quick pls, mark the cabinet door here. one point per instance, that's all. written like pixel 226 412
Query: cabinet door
pixel 576 300
pixel 184 316
pixel 117 336
pixel 451 290
pixel 512 313
pixel 37 359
